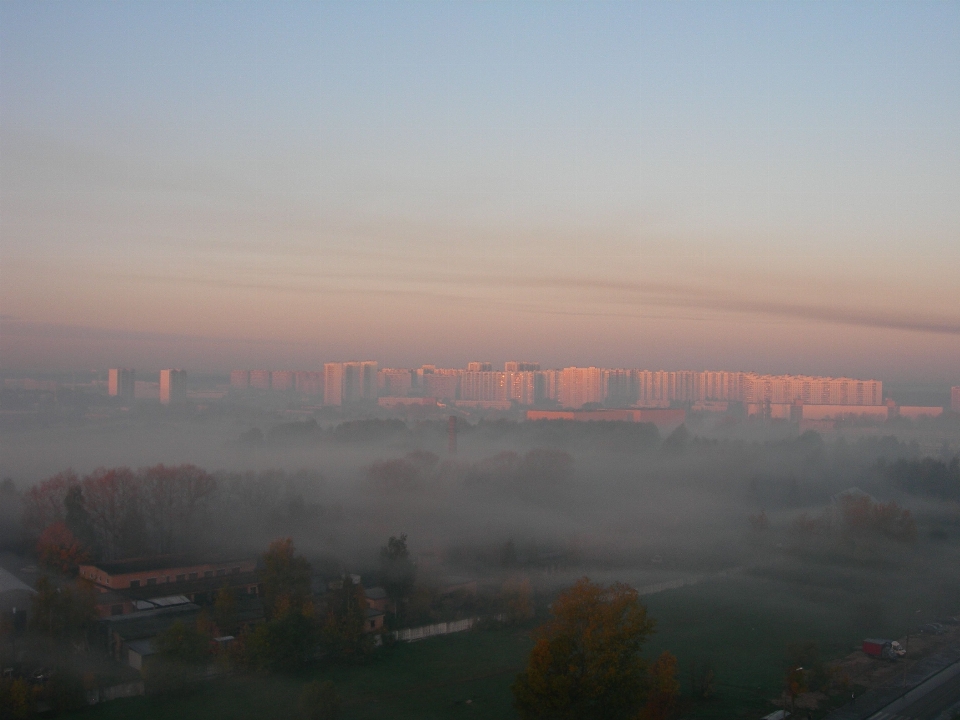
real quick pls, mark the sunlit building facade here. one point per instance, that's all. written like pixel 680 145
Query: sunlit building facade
pixel 173 387
pixel 121 383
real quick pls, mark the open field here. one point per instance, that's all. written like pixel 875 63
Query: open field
pixel 739 626
pixel 429 679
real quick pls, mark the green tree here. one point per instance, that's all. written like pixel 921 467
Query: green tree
pixel 586 662
pixel 284 643
pixel 398 570
pixel 66 612
pixel 17 698
pixel 285 577
pixel 183 649
pixel 183 642
pixel 225 611
pixel 344 625
pixel 319 701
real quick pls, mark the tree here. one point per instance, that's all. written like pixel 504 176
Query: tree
pixel 319 701
pixel 17 698
pixel 43 503
pixel 173 498
pixel 64 613
pixel 285 577
pixel 182 651
pixel 344 626
pixel 795 684
pixel 60 551
pixel 398 570
pixel 663 689
pixel 183 643
pixel 284 643
pixel 225 610
pixel 114 501
pixel 586 661
pixel 77 519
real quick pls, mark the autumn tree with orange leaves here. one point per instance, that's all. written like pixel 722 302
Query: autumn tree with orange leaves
pixel 663 689
pixel 586 662
pixel 58 549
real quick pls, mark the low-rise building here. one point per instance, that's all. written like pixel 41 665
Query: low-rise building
pixel 159 570
pixel 126 586
pixel 377 598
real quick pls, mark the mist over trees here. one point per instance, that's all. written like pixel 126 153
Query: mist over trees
pixel 600 492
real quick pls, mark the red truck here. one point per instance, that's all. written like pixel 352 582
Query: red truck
pixel 888 649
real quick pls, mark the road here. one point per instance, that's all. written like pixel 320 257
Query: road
pixel 926 702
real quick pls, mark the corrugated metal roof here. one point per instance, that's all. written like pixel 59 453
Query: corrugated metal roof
pixel 159 602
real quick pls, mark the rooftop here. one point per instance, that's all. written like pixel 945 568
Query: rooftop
pixel 375 593
pixel 161 562
pixel 10 583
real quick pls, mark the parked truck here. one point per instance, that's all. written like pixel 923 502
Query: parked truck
pixel 887 649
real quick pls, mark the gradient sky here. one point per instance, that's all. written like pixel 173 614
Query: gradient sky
pixel 768 186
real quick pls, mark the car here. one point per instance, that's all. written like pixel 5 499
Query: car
pixel 41 675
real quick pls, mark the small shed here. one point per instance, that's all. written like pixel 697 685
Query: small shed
pixel 138 651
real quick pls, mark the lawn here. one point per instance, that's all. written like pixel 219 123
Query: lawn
pixel 429 679
pixel 742 626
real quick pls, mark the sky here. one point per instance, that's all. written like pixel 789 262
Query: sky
pixel 744 186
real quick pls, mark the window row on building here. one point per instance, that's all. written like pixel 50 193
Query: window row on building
pixel 343 383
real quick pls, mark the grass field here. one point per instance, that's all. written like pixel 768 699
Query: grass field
pixel 429 679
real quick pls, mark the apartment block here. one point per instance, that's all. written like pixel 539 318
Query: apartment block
pixel 121 383
pixel 173 387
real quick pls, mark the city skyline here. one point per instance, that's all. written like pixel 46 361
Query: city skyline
pixel 773 186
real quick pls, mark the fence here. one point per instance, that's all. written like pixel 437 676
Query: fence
pixel 99 695
pixel 426 631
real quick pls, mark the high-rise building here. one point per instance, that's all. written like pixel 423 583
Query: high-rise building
pixel 442 384
pixel 173 387
pixel 955 398
pixel 348 382
pixel 240 379
pixel 522 387
pixel 121 383
pixel 260 379
pixel 516 366
pixel 479 367
pixel 483 385
pixel 309 383
pixel 282 380
pixel 333 384
pixel 393 382
pixel 619 387
pixel 580 386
